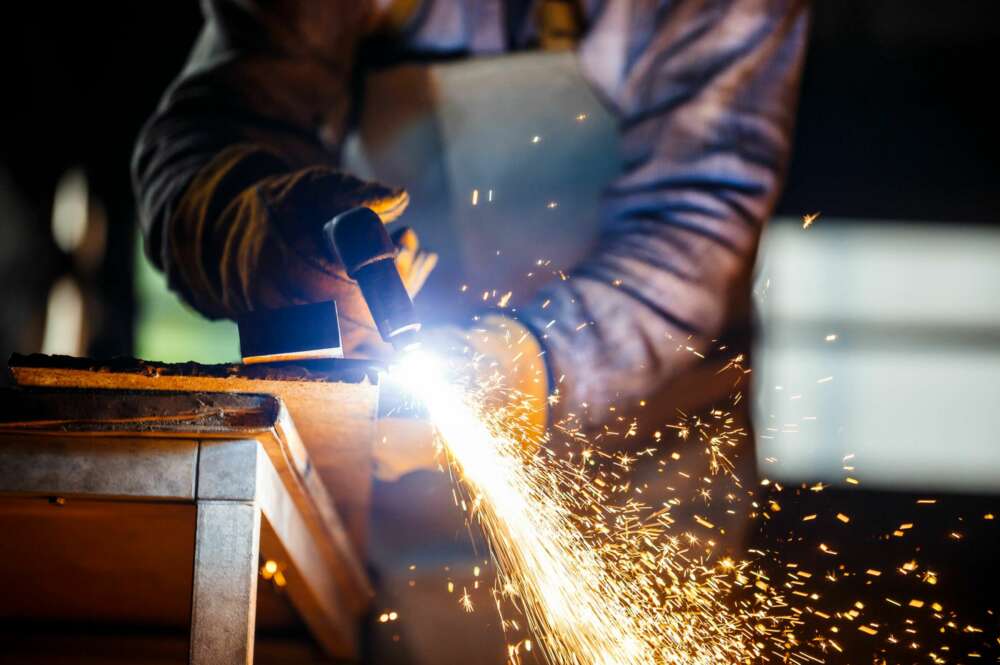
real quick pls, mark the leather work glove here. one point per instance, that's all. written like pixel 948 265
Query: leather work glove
pixel 499 360
pixel 265 249
pixel 414 264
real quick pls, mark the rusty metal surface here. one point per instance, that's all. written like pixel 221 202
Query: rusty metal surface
pixel 224 594
pixel 96 410
pixel 109 468
pixel 341 370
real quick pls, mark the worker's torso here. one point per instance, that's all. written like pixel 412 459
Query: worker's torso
pixel 505 157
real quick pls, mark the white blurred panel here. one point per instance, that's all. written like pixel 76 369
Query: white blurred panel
pixel 915 361
pixel 873 272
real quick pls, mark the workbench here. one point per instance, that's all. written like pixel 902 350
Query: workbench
pixel 131 512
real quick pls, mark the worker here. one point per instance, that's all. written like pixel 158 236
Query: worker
pixel 244 161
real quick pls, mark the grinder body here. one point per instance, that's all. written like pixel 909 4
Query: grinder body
pixel 359 238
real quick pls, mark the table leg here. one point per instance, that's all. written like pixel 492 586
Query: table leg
pixel 224 596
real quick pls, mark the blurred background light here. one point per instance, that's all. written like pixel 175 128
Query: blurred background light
pixel 914 361
pixel 168 330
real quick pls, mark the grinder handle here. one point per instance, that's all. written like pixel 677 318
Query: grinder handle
pixel 359 238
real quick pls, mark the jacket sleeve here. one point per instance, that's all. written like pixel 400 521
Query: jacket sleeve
pixel 705 92
pixel 234 172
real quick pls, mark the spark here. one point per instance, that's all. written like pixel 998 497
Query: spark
pixel 466 601
pixel 592 592
pixel 808 219
pixel 601 578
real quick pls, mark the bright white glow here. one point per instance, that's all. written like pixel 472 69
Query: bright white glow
pixel 909 313
pixel 64 320
pixel 69 211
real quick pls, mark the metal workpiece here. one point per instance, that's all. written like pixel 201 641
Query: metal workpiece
pixel 316 588
pixel 253 490
pixel 239 471
pixel 224 593
pixel 124 467
pixel 289 333
pixel 330 406
pixel 229 470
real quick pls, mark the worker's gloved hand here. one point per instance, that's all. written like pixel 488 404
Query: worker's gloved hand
pixel 237 249
pixel 320 274
pixel 497 359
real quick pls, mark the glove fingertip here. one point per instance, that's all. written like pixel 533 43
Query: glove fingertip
pixel 405 238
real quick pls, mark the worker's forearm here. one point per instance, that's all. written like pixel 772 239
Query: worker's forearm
pixel 240 239
pixel 706 104
pixel 257 115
